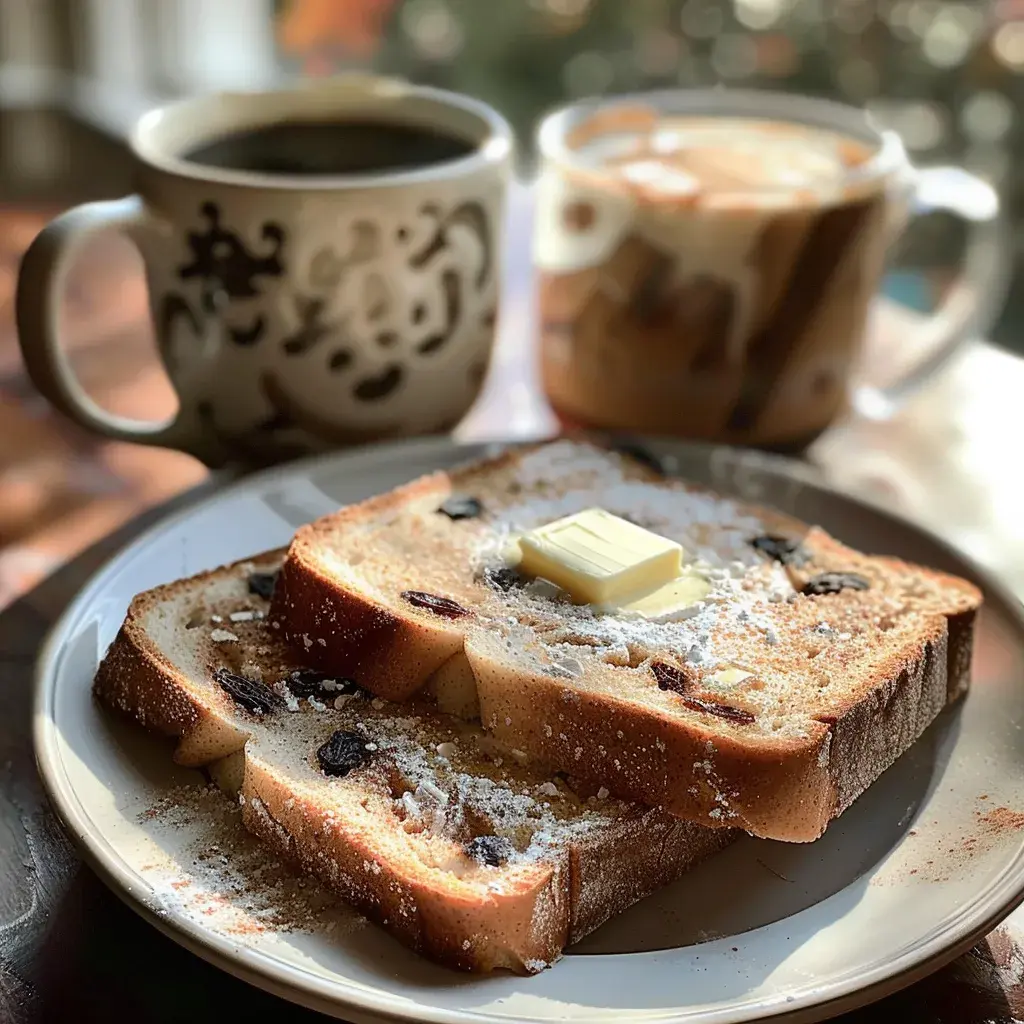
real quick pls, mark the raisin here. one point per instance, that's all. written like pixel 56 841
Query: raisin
pixel 669 677
pixel 262 584
pixel 833 583
pixel 341 753
pixel 780 549
pixel 490 850
pixel 503 579
pixel 308 682
pixel 712 707
pixel 638 453
pixel 251 694
pixel 461 508
pixel 443 606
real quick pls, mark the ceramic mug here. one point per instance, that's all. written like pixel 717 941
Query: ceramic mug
pixel 295 312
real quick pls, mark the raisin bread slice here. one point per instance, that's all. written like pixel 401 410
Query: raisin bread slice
pixel 770 705
pixel 419 819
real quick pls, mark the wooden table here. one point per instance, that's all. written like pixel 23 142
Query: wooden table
pixel 69 950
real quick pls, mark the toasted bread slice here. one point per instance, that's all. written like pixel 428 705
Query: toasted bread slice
pixel 436 832
pixel 841 659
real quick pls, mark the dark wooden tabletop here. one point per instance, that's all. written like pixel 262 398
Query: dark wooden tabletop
pixel 70 950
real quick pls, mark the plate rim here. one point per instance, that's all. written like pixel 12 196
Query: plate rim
pixel 289 981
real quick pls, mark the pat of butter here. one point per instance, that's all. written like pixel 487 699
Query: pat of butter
pixel 671 599
pixel 730 676
pixel 599 558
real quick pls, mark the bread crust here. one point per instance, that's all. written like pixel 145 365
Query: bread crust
pixel 780 789
pixel 391 653
pixel 473 930
pixel 691 773
pixel 523 928
pixel 788 791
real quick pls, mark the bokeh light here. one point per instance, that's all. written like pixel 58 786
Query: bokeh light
pixel 1008 45
pixel 758 14
pixel 435 33
pixel 921 14
pixel 948 39
pixel 567 8
pixel 898 19
pixel 986 116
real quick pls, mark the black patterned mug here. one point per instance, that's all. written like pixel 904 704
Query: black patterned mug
pixel 322 263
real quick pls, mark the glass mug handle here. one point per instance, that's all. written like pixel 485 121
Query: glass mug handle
pixel 975 296
pixel 41 283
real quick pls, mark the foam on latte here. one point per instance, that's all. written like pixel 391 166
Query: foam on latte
pixel 715 159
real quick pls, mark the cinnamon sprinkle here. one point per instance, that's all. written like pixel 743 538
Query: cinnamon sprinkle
pixel 1002 819
pixel 215 871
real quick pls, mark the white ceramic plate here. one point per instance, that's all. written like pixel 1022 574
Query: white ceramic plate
pixel 923 864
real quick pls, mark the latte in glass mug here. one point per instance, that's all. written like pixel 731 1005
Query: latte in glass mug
pixel 706 270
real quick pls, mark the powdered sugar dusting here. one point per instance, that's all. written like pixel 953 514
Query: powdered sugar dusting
pixel 713 531
pixel 450 782
pixel 554 461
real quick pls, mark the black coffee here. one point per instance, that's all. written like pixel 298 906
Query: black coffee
pixel 324 147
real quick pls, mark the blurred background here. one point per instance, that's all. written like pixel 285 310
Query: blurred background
pixel 74 74
pixel 946 74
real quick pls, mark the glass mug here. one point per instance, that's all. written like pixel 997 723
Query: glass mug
pixel 707 259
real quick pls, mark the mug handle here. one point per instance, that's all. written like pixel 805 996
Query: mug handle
pixel 974 298
pixel 41 283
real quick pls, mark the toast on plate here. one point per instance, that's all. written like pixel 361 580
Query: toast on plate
pixel 767 698
pixel 419 819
